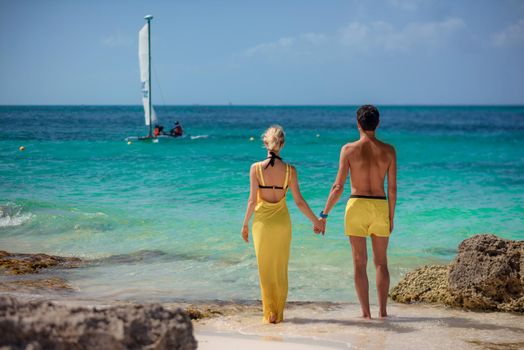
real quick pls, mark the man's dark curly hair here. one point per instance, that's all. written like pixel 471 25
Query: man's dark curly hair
pixel 368 117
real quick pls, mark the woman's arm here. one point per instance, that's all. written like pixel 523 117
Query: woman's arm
pixel 301 202
pixel 251 202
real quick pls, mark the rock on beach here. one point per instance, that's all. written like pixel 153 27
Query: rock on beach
pixel 19 264
pixel 46 325
pixel 486 274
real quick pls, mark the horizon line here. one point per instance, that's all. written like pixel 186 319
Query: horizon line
pixel 273 105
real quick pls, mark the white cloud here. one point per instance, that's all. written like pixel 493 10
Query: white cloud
pixel 382 35
pixel 314 38
pixel 363 37
pixel 117 40
pixel 355 34
pixel 265 48
pixel 511 35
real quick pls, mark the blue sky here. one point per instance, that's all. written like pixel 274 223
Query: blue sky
pixel 265 52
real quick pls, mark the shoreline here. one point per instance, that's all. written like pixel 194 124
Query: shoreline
pixel 328 325
pixel 407 327
pixel 444 320
pixel 208 339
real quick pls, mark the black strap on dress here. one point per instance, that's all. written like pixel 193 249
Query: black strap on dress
pixel 272 159
pixel 272 163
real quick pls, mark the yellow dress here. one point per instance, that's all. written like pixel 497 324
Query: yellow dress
pixel 272 240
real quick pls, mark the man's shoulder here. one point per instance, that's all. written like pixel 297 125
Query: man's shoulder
pixel 387 147
pixel 349 146
pixel 391 149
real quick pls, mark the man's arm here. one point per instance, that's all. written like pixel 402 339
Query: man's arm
pixel 338 186
pixel 392 187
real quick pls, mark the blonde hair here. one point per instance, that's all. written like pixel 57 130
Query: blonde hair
pixel 274 138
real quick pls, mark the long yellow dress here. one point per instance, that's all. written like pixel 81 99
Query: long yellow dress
pixel 272 240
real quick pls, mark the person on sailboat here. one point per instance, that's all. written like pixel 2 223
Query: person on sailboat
pixel 177 130
pixel 159 130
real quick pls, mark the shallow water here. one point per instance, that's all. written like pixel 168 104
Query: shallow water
pixel 163 219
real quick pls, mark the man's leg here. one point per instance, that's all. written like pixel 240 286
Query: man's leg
pixel 380 246
pixel 360 260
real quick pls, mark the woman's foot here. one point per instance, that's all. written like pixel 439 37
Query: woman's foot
pixel 366 314
pixel 272 318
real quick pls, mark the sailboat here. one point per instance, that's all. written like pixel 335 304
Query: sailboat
pixel 144 57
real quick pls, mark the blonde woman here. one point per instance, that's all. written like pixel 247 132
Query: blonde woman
pixel 269 181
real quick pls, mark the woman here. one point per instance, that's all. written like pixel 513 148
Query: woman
pixel 269 181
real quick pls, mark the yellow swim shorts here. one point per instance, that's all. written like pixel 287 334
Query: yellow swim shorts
pixel 366 215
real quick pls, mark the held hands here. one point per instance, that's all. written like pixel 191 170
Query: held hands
pixel 245 233
pixel 324 223
pixel 319 226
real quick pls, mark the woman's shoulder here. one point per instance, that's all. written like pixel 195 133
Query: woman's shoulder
pixel 257 164
pixel 291 166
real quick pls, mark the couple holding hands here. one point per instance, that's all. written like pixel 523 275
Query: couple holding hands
pixel 368 212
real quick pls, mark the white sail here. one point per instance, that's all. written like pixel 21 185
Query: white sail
pixel 143 56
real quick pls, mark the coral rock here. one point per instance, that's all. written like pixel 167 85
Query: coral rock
pixel 45 325
pixel 486 274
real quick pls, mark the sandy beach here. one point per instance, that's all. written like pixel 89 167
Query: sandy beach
pixel 337 326
pixel 317 325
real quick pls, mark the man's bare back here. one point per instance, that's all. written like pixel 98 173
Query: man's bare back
pixel 369 160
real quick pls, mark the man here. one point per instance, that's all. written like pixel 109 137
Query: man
pixel 177 130
pixel 368 212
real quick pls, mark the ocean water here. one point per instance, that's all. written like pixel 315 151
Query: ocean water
pixel 162 221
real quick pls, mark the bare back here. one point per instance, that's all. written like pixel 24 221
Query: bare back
pixel 369 160
pixel 272 176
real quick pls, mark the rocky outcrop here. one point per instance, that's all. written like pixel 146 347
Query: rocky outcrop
pixel 428 284
pixel 27 267
pixel 44 325
pixel 486 274
pixel 19 264
pixel 36 285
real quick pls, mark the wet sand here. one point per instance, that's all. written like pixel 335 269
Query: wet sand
pixel 338 326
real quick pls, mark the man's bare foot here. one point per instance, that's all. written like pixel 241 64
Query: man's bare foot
pixel 366 317
pixel 382 315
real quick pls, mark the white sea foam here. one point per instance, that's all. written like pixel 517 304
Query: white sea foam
pixel 199 137
pixel 12 215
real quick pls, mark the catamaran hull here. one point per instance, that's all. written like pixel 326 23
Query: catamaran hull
pixel 153 139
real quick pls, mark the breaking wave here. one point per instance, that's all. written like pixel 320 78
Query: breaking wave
pixel 13 215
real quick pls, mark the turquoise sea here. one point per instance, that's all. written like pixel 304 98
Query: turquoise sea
pixel 163 220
